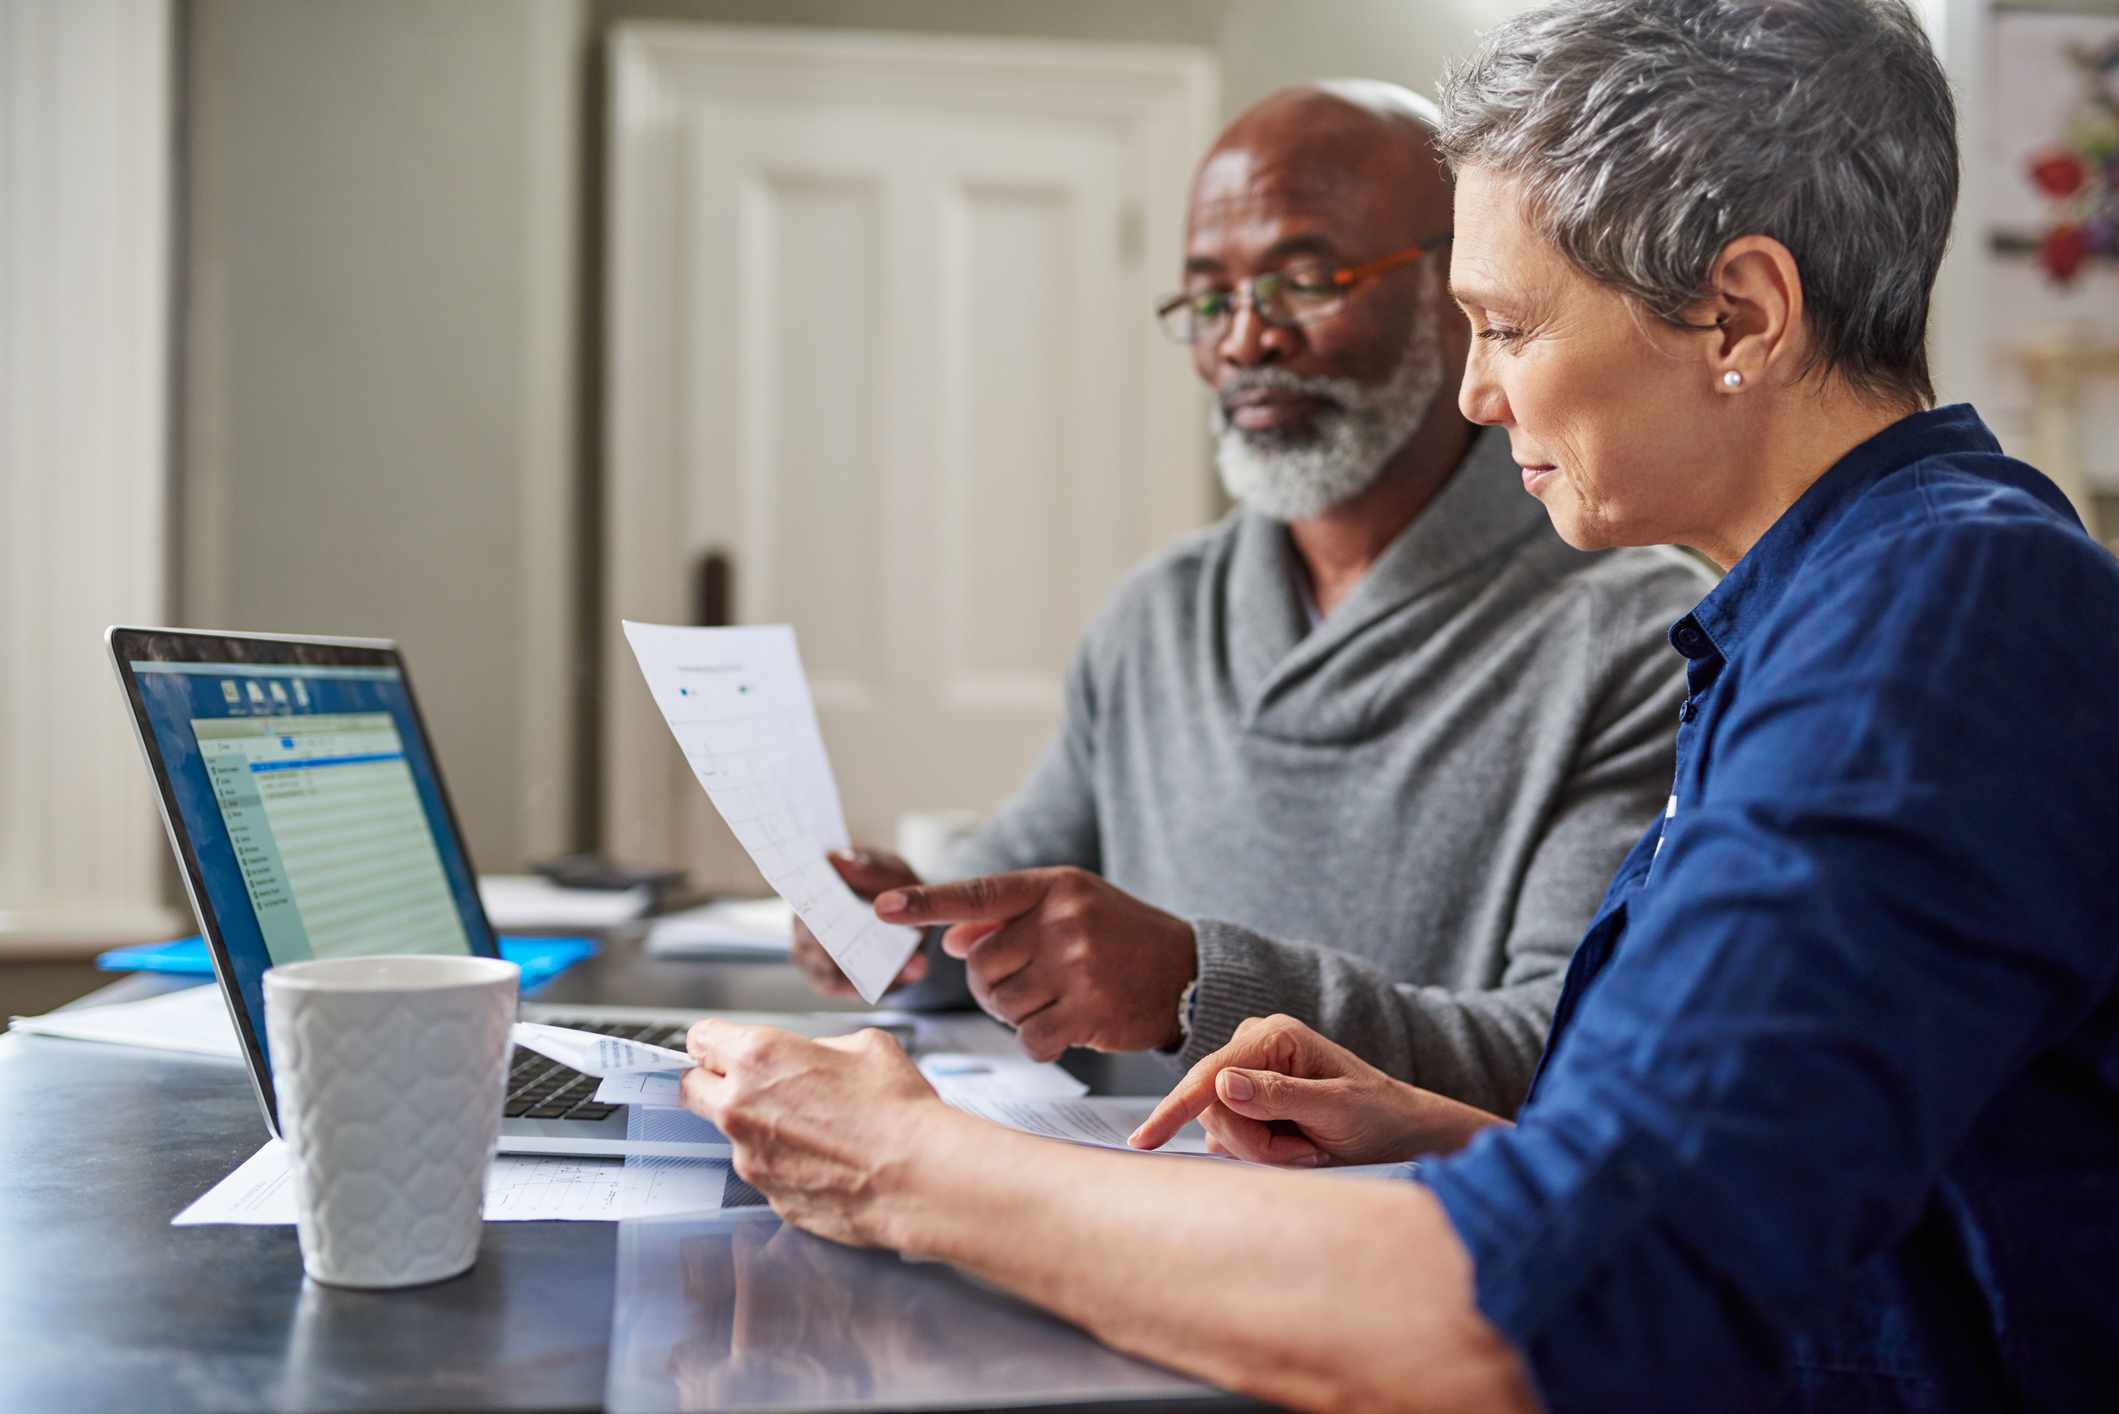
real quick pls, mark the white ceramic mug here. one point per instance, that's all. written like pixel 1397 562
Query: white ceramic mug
pixel 390 1073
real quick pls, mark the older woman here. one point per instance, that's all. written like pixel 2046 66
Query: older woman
pixel 1830 1116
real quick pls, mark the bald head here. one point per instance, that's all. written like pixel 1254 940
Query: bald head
pixel 1348 141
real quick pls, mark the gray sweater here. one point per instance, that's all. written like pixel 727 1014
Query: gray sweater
pixel 1393 826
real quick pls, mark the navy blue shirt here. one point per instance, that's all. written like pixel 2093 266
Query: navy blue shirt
pixel 1829 1117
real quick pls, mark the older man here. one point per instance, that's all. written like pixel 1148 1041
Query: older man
pixel 1303 768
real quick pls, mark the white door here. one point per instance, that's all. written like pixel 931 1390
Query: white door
pixel 881 352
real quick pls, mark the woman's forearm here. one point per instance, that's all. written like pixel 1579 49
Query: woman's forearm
pixel 1305 1290
pixel 1443 1126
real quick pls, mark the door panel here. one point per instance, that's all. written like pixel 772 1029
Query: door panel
pixel 880 334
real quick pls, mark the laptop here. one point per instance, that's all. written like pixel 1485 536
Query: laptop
pixel 306 807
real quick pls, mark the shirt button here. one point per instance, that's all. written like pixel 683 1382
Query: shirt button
pixel 1688 640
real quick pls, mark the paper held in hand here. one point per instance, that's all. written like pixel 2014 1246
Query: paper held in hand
pixel 739 705
pixel 596 1055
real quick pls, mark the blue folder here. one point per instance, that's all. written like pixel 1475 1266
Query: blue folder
pixel 541 959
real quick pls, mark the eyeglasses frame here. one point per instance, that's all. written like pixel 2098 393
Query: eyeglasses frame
pixel 1345 277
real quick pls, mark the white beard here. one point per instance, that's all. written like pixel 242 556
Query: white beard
pixel 1345 447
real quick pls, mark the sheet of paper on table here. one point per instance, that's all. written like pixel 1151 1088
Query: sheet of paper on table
pixel 529 901
pixel 519 1188
pixel 192 1020
pixel 1100 1120
pixel 739 706
pixel 729 927
pixel 952 1073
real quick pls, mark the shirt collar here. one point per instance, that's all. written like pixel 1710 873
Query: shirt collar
pixel 1757 582
pixel 1480 509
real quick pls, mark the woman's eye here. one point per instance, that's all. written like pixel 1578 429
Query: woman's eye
pixel 1500 335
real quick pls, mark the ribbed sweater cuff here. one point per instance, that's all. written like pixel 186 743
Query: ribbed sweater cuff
pixel 1233 985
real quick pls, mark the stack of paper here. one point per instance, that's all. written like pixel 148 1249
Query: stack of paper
pixel 736 927
pixel 739 706
pixel 527 901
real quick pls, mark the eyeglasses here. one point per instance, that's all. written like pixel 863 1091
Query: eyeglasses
pixel 1287 298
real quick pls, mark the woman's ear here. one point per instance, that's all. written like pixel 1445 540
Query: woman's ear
pixel 1757 310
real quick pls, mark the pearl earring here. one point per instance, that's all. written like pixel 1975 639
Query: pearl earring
pixel 1732 379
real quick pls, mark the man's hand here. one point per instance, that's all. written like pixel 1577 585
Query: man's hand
pixel 1062 956
pixel 821 1128
pixel 867 872
pixel 1279 1093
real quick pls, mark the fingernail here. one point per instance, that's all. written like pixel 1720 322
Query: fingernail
pixel 1236 1085
pixel 896 901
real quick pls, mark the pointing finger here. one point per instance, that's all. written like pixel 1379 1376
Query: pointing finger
pixel 995 898
pixel 1187 1100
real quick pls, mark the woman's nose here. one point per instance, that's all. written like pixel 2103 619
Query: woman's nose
pixel 1480 398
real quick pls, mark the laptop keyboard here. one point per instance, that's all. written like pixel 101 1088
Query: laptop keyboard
pixel 541 1088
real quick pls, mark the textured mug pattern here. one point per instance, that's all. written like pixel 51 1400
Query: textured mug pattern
pixel 390 1103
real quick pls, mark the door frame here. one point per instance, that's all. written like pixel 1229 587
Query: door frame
pixel 1165 97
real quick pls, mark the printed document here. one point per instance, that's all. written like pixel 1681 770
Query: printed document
pixel 592 1053
pixel 519 1188
pixel 739 705
pixel 952 1073
pixel 1022 1099
pixel 1101 1120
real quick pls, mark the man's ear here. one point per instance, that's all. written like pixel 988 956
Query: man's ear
pixel 1756 306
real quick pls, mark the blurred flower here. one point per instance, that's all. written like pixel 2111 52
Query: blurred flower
pixel 2079 173
pixel 2062 251
pixel 2059 172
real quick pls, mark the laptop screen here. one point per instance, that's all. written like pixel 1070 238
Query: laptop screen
pixel 313 811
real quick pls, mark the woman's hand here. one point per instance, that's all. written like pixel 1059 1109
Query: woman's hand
pixel 825 1129
pixel 1279 1093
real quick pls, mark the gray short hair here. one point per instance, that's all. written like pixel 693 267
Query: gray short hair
pixel 1648 134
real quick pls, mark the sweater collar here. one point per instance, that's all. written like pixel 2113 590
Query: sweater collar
pixel 1481 509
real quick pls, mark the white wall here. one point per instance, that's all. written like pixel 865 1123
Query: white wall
pixel 379 354
pixel 84 298
pixel 1267 43
pixel 1261 44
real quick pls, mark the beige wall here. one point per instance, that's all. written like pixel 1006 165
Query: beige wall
pixel 366 359
pixel 374 400
pixel 1261 44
